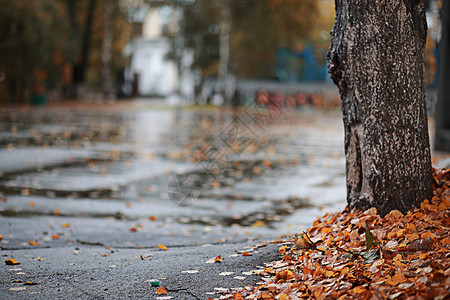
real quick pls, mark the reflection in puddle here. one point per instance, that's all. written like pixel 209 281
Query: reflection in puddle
pixel 196 167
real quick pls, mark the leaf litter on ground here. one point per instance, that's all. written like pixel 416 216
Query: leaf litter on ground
pixel 360 255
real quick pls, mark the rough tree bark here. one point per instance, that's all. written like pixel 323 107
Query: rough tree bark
pixel 442 140
pixel 376 59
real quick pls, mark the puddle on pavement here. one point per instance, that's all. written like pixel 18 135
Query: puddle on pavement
pixel 194 167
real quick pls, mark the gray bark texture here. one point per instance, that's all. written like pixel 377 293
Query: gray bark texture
pixel 442 140
pixel 376 59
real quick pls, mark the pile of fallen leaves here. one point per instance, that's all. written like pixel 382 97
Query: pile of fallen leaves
pixel 360 255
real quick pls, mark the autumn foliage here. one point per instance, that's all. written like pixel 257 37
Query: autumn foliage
pixel 360 255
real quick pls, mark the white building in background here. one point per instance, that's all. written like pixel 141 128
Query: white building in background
pixel 152 64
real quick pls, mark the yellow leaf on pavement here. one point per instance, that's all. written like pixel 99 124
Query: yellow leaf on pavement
pixel 11 261
pixel 161 291
pixel 163 247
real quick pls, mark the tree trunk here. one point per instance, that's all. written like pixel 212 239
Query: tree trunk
pixel 107 84
pixel 376 59
pixel 442 140
pixel 81 65
pixel 224 50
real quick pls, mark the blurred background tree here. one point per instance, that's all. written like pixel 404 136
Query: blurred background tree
pixel 258 29
pixel 58 44
pixel 72 47
pixel 34 46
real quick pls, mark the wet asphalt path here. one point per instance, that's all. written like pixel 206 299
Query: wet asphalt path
pixel 93 190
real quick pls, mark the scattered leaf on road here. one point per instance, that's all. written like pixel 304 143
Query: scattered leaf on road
pixel 226 273
pixel 11 261
pixel 161 246
pixel 161 291
pixel 190 271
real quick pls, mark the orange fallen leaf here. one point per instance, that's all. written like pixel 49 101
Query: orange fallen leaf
pixel 300 243
pixel 161 246
pixel 284 297
pixel 66 225
pixel 161 291
pixel 414 245
pixel 1 237
pixel 411 237
pixel 345 271
pixel 359 289
pixel 391 235
pixel 287 258
pixel 218 258
pixel 55 236
pixel 32 243
pixel 318 293
pixel 329 274
pixel 396 279
pixel 265 296
pixel 427 235
pixel 32 204
pixel 237 296
pixel 4 199
pixel 246 254
pixel 258 223
pixel 284 275
pixel 282 250
pixel 56 212
pixel 325 230
pixel 153 218
pixel 12 261
pixel 394 215
pixel 401 247
pixel 133 229
pixel 400 233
